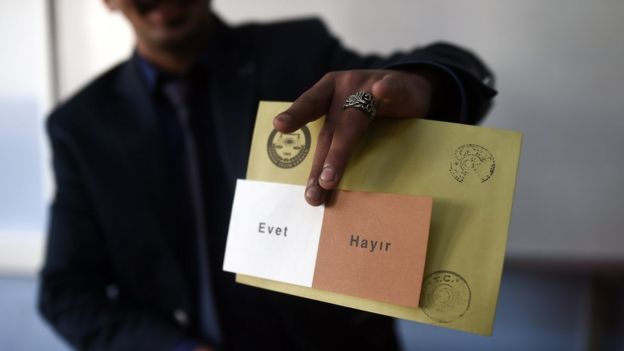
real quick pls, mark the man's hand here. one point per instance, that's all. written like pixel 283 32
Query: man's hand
pixel 400 95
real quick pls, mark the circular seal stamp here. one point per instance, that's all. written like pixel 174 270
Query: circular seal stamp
pixel 472 161
pixel 445 296
pixel 289 150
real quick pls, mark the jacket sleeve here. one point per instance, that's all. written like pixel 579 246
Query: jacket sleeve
pixel 76 294
pixel 463 88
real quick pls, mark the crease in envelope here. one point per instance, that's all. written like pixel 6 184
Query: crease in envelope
pixel 470 172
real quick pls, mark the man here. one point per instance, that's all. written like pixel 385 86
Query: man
pixel 147 155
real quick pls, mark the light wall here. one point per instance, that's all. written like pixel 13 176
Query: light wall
pixel 560 67
pixel 25 98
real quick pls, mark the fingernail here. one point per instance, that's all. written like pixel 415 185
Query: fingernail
pixel 328 174
pixel 285 118
pixel 313 193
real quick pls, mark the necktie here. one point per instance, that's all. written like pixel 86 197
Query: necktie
pixel 177 93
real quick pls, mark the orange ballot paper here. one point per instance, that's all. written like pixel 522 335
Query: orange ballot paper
pixel 414 191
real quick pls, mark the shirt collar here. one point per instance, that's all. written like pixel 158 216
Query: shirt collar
pixel 148 71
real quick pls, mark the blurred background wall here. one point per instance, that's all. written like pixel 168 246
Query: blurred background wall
pixel 559 66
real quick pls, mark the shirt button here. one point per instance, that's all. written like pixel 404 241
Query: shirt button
pixel 181 317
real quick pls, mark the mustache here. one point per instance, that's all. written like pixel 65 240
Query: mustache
pixel 144 6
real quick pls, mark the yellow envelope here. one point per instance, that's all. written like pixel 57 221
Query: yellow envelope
pixel 470 172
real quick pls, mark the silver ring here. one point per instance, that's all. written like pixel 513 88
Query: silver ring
pixel 362 101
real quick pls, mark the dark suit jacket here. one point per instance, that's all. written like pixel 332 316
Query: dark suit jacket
pixel 110 279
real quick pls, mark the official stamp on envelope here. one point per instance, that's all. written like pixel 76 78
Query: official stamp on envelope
pixel 445 296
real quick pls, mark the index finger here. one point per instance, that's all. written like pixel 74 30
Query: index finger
pixel 311 105
pixel 350 127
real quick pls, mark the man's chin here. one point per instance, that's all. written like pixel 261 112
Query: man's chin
pixel 176 30
pixel 177 39
pixel 146 6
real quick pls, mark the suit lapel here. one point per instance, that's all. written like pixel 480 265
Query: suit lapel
pixel 234 102
pixel 137 127
pixel 140 136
